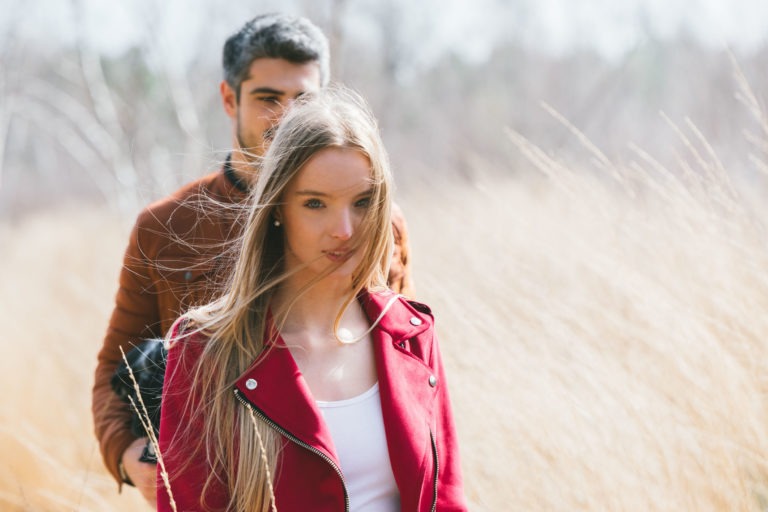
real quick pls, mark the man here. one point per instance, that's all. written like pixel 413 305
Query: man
pixel 177 253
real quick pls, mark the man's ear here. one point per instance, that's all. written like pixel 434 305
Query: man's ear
pixel 228 99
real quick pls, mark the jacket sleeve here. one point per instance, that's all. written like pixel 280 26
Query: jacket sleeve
pixel 180 442
pixel 134 315
pixel 400 272
pixel 450 491
pixel 173 416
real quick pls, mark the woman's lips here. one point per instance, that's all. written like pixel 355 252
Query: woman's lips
pixel 338 255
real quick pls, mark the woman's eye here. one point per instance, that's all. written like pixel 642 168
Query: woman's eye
pixel 313 203
pixel 363 203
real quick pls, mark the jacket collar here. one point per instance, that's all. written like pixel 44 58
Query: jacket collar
pixel 400 318
pixel 226 186
pixel 275 386
pixel 232 177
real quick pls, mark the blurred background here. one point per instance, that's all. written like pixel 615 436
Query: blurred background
pixel 585 186
pixel 117 104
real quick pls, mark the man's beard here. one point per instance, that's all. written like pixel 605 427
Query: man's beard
pixel 251 152
pixel 254 151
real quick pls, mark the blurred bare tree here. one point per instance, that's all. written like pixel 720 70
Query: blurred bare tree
pixel 122 130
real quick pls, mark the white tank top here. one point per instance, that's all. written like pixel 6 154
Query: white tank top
pixel 357 428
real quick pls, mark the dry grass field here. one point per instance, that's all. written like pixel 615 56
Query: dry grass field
pixel 606 335
pixel 58 273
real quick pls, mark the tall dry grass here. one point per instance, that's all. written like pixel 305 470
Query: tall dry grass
pixel 605 332
pixel 58 276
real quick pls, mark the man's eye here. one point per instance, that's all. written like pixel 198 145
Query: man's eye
pixel 363 203
pixel 269 99
pixel 313 204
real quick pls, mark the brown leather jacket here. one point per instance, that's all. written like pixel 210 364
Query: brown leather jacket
pixel 177 257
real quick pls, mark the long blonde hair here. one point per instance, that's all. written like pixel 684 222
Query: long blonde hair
pixel 234 325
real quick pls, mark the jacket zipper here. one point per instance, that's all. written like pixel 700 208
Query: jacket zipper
pixel 437 469
pixel 311 448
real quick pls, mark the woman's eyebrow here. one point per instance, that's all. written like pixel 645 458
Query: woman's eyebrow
pixel 310 192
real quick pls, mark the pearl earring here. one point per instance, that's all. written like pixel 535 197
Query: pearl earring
pixel 276 223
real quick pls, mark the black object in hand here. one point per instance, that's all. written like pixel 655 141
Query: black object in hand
pixel 147 360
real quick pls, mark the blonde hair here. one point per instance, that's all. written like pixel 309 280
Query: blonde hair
pixel 234 325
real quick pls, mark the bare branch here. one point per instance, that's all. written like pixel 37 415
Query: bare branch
pixel 106 113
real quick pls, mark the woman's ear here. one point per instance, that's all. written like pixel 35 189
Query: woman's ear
pixel 277 218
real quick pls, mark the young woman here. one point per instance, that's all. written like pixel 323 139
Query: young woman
pixel 309 386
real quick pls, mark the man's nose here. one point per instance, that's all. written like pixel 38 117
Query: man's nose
pixel 283 106
pixel 278 109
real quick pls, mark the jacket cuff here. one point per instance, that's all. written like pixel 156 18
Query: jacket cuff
pixel 114 452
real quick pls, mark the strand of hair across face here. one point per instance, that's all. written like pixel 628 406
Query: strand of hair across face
pixel 264 459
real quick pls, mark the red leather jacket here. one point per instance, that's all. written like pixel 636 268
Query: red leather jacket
pixel 419 426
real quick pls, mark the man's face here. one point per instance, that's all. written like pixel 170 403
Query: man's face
pixel 271 87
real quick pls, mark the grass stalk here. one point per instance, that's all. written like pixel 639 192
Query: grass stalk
pixel 147 424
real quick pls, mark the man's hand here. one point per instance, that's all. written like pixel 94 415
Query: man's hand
pixel 142 474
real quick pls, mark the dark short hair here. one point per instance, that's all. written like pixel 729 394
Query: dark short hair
pixel 275 36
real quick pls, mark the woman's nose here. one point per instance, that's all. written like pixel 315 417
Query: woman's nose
pixel 343 227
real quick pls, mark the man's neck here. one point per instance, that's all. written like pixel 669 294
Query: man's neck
pixel 242 171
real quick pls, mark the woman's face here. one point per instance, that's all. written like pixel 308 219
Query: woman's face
pixel 321 212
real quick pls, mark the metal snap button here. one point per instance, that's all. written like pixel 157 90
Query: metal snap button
pixel 416 320
pixel 432 380
pixel 251 384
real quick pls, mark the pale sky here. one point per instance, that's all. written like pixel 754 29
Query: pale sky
pixel 469 27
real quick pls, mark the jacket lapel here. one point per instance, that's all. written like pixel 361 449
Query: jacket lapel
pixel 274 385
pixel 407 398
